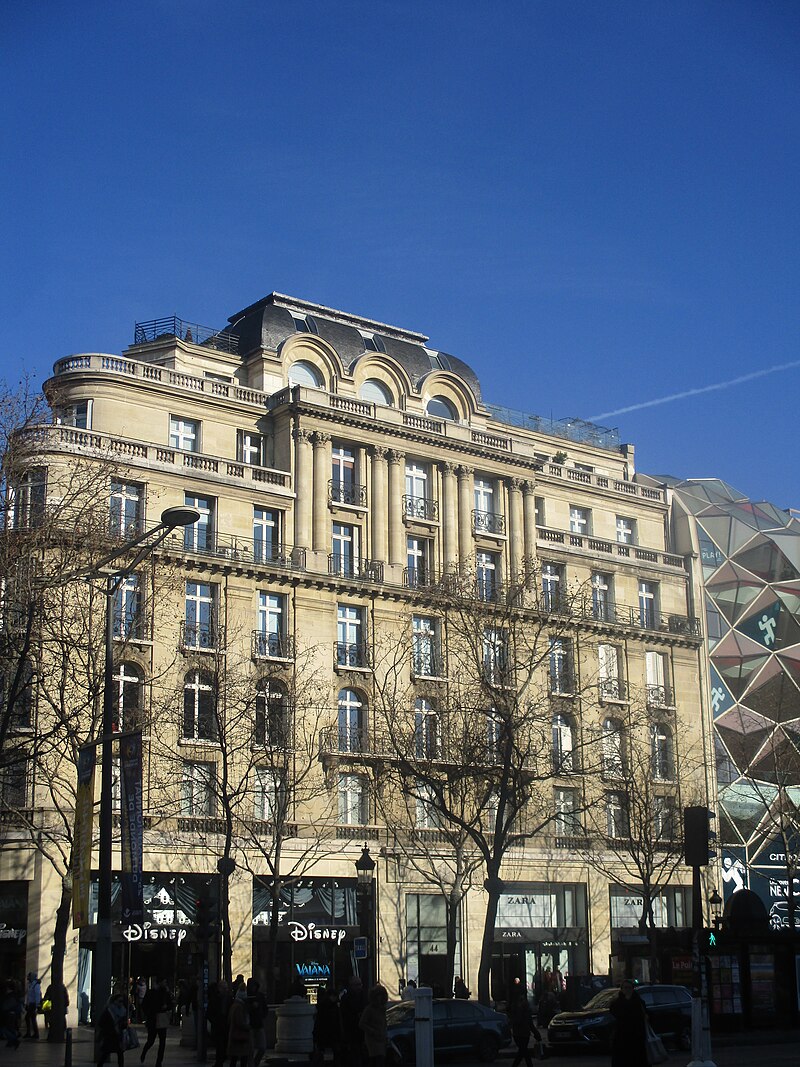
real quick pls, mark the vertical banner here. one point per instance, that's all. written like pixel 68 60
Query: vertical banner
pixel 82 838
pixel 132 828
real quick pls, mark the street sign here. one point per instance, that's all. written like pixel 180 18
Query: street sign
pixel 360 948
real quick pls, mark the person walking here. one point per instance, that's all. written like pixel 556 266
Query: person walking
pixel 33 1003
pixel 112 1023
pixel 629 1043
pixel 522 1026
pixel 460 991
pixel 156 1008
pixel 11 1009
pixel 239 1030
pixel 258 1010
pixel 351 1005
pixel 373 1026
pixel 328 1024
pixel 219 1005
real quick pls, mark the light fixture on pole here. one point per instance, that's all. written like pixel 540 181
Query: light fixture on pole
pixel 715 903
pixel 365 868
pixel 171 519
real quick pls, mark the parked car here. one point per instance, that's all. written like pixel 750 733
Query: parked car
pixel 458 1026
pixel 669 1009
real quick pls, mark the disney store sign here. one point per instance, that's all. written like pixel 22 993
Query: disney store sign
pixel 312 932
pixel 147 932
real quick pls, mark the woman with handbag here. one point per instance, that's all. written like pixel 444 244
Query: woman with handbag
pixel 156 1008
pixel 112 1028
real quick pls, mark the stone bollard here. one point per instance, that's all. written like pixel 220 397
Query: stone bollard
pixel 294 1026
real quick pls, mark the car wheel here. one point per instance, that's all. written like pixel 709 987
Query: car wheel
pixel 487 1048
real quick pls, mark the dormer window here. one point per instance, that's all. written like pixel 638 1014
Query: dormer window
pixel 302 323
pixel 304 373
pixel 375 392
pixel 439 407
pixel 372 343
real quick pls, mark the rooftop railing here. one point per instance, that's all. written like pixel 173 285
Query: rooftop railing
pixel 172 326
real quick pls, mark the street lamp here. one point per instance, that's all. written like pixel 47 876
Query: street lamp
pixel 365 867
pixel 715 903
pixel 171 519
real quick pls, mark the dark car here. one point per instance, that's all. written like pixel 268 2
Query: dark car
pixel 458 1026
pixel 669 1009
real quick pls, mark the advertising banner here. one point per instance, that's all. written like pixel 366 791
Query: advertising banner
pixel 82 839
pixel 132 824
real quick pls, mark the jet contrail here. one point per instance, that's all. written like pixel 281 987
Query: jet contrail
pixel 695 392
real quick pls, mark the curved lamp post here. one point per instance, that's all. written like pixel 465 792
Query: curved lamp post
pixel 365 868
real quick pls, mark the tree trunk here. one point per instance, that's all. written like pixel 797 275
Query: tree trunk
pixel 272 941
pixel 57 989
pixel 452 902
pixel 494 887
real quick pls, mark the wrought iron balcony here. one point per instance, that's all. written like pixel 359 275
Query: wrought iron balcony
pixel 355 654
pixel 202 637
pixel 420 577
pixel 427 663
pixel 350 493
pixel 613 689
pixel 272 646
pixel 488 522
pixel 659 696
pixel 155 329
pixel 344 740
pixel 368 570
pixel 420 507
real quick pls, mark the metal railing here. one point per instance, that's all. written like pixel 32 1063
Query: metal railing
pixel 368 570
pixel 659 696
pixel 271 646
pixel 351 654
pixel 427 663
pixel 172 326
pixel 488 522
pixel 343 740
pixel 420 507
pixel 350 493
pixel 612 689
pixel 243 550
pixel 202 637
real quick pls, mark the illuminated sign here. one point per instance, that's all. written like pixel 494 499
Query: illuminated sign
pixel 312 932
pixel 147 932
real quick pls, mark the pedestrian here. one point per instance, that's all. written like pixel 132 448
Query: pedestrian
pixel 239 1030
pixel 11 1009
pixel 629 1043
pixel 139 993
pixel 548 1007
pixel 460 991
pixel 351 1005
pixel 522 1026
pixel 409 990
pixel 48 1007
pixel 328 1024
pixel 258 1010
pixel 111 1025
pixel 219 1004
pixel 33 1005
pixel 373 1026
pixel 156 1008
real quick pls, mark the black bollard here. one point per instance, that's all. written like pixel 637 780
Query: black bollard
pixel 68 1047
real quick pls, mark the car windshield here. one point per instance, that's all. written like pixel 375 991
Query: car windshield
pixel 602 1000
pixel 399 1012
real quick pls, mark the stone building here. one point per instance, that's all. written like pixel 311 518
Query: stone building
pixel 344 471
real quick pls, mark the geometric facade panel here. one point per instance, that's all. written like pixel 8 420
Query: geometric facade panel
pixel 774 694
pixel 732 589
pixel 766 561
pixel 769 622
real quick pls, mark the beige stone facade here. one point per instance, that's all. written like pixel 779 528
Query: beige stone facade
pixel 342 468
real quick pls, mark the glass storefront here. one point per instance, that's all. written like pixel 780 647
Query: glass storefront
pixel 13 929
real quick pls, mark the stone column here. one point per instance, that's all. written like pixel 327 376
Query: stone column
pixel 516 532
pixel 449 516
pixel 529 522
pixel 322 474
pixel 303 487
pixel 466 502
pixel 397 474
pixel 377 511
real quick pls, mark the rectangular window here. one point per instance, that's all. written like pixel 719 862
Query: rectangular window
pixel 613 751
pixel 560 666
pixel 353 800
pixel 344 558
pixel 271 632
pixel 552 587
pixel 425 659
pixel 602 599
pixel 77 415
pixel 567 821
pixel 426 729
pixel 14 781
pixel 486 575
pixel 184 433
pixel 495 655
pixel 128 619
pixel 344 487
pixel 200 707
pixel 580 521
pixel 126 509
pixel 199 620
pixel 269 795
pixel 494 735
pixel 197 789
pixel 200 535
pixel 427 816
pixel 418 554
pixel 266 534
pixel 272 725
pixel 616 816
pixel 656 674
pixel 539 507
pixel 484 496
pixel 648 605
pixel 29 496
pixel 610 673
pixel 665 820
pixel 350 644
pixel 416 480
pixel 250 448
pixel 626 530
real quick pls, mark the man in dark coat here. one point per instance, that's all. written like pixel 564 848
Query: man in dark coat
pixel 629 1043
pixel 351 1005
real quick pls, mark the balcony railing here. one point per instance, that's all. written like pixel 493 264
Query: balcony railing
pixel 202 637
pixel 427 663
pixel 596 545
pixel 272 646
pixel 488 522
pixel 368 570
pixel 659 696
pixel 421 507
pixel 421 577
pixel 350 493
pixel 613 689
pixel 341 740
pixel 155 329
pixel 347 654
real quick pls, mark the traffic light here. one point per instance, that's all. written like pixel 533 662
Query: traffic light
pixel 203 918
pixel 698 835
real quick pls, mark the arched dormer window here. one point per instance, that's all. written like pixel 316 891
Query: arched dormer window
pixel 439 407
pixel 376 392
pixel 302 372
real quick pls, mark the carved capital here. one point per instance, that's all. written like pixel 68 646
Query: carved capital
pixel 515 484
pixel 447 467
pixel 529 488
pixel 396 456
pixel 301 435
pixel 379 452
pixel 464 472
pixel 319 438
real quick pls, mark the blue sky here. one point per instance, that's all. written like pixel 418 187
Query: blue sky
pixel 593 204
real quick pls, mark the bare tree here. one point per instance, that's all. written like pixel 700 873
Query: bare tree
pixel 482 765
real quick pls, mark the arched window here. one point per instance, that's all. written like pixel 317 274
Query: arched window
pixel 302 372
pixel 439 407
pixel 352 721
pixel 272 720
pixel 128 692
pixel 199 707
pixel 376 392
pixel 613 753
pixel 563 745
pixel 426 729
pixel 661 752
